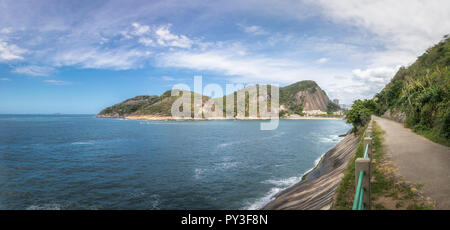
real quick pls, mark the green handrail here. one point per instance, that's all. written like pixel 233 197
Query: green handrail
pixel 357 200
pixel 358 203
pixel 361 200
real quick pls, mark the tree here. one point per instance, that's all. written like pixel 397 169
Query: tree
pixel 359 115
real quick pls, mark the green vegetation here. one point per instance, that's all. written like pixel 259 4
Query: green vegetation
pixel 346 189
pixel 161 105
pixel 421 92
pixel 298 109
pixel 146 105
pixel 332 107
pixel 129 106
pixel 360 113
pixel 387 190
pixel 287 93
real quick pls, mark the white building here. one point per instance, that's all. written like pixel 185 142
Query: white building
pixel 314 112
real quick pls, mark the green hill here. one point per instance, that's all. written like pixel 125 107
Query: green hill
pixel 303 95
pixel 419 94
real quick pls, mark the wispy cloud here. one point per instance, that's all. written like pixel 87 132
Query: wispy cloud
pixel 255 30
pixel 403 28
pixel 34 70
pixel 322 60
pixel 167 38
pixel 4 79
pixel 57 82
pixel 375 37
pixel 10 52
pixel 95 58
pixel 167 78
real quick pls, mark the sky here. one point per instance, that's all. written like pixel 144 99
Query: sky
pixel 82 56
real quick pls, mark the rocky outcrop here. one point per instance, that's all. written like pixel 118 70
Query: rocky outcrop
pixel 317 190
pixel 312 99
pixel 303 96
pixel 395 115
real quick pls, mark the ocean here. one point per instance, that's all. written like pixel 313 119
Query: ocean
pixel 82 162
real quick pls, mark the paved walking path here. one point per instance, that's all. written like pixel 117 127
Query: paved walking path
pixel 419 160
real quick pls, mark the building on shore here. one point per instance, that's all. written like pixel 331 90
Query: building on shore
pixel 314 112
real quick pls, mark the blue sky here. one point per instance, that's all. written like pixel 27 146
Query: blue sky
pixel 81 56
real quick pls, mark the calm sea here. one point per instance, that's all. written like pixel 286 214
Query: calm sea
pixel 82 162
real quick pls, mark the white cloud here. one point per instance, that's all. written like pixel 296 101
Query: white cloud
pixel 380 75
pixel 147 41
pixel 34 70
pixel 57 82
pixel 10 52
pixel 403 29
pixel 140 29
pixel 247 68
pixel 322 60
pixel 94 58
pixel 255 30
pixel 166 38
pixel 167 78
pixel 4 79
pixel 5 30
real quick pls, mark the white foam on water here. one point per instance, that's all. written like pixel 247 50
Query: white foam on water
pixel 198 173
pixel 283 182
pixel 44 207
pixel 280 185
pixel 259 203
pixel 226 165
pixel 154 202
pixel 223 145
pixel 330 139
pixel 279 134
pixel 83 143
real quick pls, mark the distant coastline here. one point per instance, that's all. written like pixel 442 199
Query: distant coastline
pixel 170 118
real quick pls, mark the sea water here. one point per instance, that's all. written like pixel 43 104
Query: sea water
pixel 82 162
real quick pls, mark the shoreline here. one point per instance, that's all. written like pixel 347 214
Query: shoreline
pixel 170 118
pixel 317 188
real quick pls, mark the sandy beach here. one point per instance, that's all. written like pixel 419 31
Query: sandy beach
pixel 170 118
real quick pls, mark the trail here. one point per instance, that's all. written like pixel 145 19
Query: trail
pixel 419 160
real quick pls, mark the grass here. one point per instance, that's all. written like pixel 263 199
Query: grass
pixel 346 190
pixel 434 136
pixel 388 190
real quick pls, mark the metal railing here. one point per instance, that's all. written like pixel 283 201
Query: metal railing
pixel 362 174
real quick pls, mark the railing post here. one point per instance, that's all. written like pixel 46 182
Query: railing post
pixel 363 164
pixel 369 131
pixel 368 140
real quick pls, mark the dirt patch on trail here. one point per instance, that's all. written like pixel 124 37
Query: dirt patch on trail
pixel 390 190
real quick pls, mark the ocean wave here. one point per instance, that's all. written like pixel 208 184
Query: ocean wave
pixel 44 207
pixel 226 165
pixel 198 173
pixel 280 185
pixel 223 145
pixel 279 134
pixel 83 143
pixel 330 139
pixel 283 182
pixel 259 203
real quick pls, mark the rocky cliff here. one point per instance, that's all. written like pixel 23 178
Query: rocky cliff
pixel 317 190
pixel 305 93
